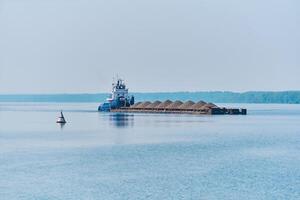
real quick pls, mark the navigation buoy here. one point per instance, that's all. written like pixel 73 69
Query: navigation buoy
pixel 61 119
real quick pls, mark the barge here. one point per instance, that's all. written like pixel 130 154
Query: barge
pixel 120 101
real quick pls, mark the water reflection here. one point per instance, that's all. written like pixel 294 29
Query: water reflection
pixel 121 120
pixel 61 125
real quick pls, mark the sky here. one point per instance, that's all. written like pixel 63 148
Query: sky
pixel 77 46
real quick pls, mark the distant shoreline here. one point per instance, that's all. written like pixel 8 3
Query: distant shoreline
pixel 285 97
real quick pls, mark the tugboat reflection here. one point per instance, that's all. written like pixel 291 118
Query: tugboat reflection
pixel 121 120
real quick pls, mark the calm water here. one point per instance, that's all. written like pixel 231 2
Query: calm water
pixel 148 156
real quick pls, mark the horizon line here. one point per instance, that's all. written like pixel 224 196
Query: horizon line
pixel 169 92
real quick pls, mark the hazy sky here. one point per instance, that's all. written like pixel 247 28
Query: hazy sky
pixel 56 46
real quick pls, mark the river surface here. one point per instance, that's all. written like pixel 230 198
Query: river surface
pixel 148 156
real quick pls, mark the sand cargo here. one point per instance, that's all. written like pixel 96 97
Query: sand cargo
pixel 179 107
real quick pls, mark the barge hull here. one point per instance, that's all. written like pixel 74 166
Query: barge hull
pixel 212 111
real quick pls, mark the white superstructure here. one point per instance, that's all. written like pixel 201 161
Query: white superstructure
pixel 119 91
